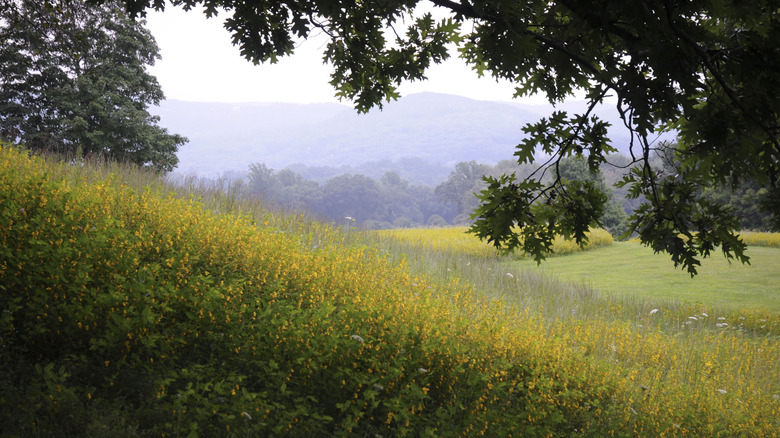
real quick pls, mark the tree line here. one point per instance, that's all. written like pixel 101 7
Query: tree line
pixel 393 202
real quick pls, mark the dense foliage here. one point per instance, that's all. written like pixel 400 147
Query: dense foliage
pixel 73 80
pixel 387 203
pixel 707 70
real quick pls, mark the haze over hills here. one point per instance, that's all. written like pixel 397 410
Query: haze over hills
pixel 426 129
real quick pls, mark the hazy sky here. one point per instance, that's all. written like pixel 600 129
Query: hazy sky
pixel 199 63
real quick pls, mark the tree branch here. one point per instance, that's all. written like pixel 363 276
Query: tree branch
pixel 460 8
pixel 705 58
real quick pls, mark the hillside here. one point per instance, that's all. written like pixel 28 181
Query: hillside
pixel 130 307
pixel 438 129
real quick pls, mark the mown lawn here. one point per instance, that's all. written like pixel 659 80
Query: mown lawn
pixel 630 269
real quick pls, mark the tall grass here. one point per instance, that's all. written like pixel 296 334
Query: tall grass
pixel 134 307
pixel 753 238
pixel 457 239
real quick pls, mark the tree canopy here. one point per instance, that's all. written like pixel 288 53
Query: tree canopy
pixel 706 70
pixel 73 78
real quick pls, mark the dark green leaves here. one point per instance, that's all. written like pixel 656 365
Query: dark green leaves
pixel 73 78
pixel 564 136
pixel 368 67
pixel 679 221
pixel 524 215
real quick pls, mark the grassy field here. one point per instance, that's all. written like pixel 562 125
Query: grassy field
pixel 630 269
pixel 132 307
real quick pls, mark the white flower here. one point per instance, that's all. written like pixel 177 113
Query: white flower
pixel 722 391
pixel 358 338
pixel 704 315
pixel 721 324
pixel 246 415
pixel 721 318
pixel 510 275
pixel 653 311
pixel 422 370
pixel 693 318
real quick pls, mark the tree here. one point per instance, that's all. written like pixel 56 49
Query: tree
pixel 461 185
pixel 72 77
pixel 576 169
pixel 745 198
pixel 400 207
pixel 262 180
pixel 707 70
pixel 354 196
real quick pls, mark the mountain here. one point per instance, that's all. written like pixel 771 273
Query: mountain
pixel 436 128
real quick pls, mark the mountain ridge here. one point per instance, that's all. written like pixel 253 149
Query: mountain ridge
pixel 438 128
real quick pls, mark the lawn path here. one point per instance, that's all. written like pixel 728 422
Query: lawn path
pixel 630 269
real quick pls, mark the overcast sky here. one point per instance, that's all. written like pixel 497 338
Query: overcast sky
pixel 199 63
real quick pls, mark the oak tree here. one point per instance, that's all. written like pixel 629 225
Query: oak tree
pixel 706 70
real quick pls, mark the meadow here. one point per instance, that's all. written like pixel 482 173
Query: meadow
pixel 133 307
pixel 632 270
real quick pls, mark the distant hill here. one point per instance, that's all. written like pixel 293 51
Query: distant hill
pixel 435 128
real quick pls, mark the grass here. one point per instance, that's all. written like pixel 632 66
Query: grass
pixel 632 270
pixel 132 307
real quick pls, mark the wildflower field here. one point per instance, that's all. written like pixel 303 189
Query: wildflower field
pixel 458 240
pixel 761 239
pixel 130 307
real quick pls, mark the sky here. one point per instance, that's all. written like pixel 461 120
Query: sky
pixel 200 64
